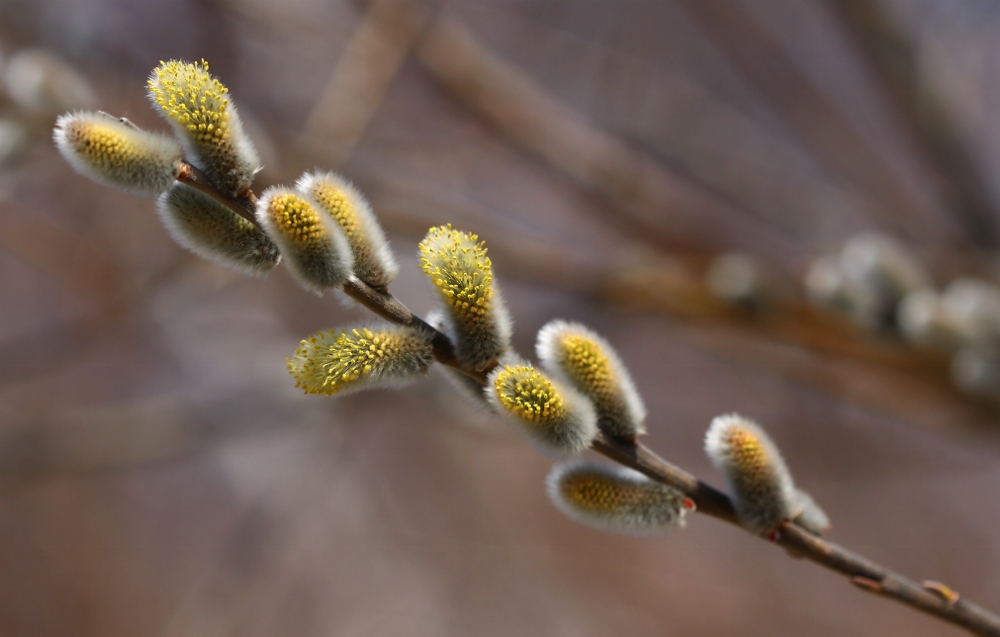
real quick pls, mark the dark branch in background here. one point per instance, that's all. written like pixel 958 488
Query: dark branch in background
pixel 894 58
pixel 863 572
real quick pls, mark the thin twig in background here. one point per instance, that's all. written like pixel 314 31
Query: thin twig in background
pixel 894 58
pixel 662 208
pixel 360 80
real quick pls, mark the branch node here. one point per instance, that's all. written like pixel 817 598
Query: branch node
pixel 868 585
pixel 946 593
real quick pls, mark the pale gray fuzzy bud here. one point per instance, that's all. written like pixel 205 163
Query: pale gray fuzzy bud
pixel 738 279
pixel 974 306
pixel 616 499
pixel 43 84
pixel 579 357
pixel 924 321
pixel 975 369
pixel 556 418
pixel 809 515
pixel 118 154
pixel 828 286
pixel 885 263
pixel 373 260
pixel 214 232
pixel 313 246
pixel 759 481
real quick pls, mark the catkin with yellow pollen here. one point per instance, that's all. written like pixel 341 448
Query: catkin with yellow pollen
pixel 759 481
pixel 555 417
pixel 373 260
pixel 349 360
pixel 581 358
pixel 475 316
pixel 313 246
pixel 118 154
pixel 214 232
pixel 202 114
pixel 616 499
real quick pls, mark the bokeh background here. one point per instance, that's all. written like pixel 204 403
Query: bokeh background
pixel 161 476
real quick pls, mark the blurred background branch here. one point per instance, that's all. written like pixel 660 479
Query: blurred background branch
pixel 163 476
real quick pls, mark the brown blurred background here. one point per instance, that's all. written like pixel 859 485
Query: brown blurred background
pixel 161 476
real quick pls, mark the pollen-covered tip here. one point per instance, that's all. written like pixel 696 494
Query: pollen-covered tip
pixel 313 246
pixel 355 359
pixel 616 499
pixel 118 154
pixel 556 418
pixel 202 114
pixel 373 260
pixel 214 232
pixel 759 480
pixel 477 319
pixel 577 356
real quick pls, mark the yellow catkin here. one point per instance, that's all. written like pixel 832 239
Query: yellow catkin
pixel 297 220
pixel 457 265
pixel 118 154
pixel 336 361
pixel 616 499
pixel 581 358
pixel 529 395
pixel 200 109
pixel 313 247
pixel 759 480
pixel 373 261
pixel 557 418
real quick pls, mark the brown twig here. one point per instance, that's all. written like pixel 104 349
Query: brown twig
pixel 717 504
pixel 245 206
pixel 861 570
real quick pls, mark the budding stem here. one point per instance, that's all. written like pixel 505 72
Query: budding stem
pixel 637 456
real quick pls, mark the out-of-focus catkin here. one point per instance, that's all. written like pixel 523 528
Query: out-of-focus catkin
pixel 759 481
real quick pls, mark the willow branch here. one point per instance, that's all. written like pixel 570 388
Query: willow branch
pixel 863 572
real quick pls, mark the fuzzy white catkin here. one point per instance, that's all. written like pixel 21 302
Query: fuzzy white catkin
pixel 118 154
pixel 374 262
pixel 312 245
pixel 557 419
pixel 214 232
pixel 759 481
pixel 582 359
pixel 616 499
